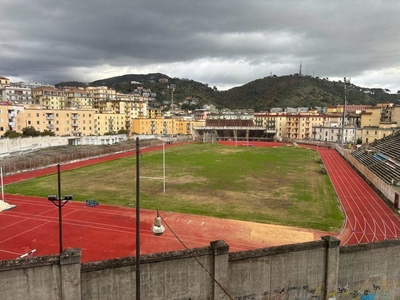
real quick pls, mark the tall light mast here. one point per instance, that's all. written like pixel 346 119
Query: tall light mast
pixel 346 81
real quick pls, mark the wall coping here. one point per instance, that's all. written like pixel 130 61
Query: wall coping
pixel 145 259
pixel 29 262
pixel 369 246
pixel 277 250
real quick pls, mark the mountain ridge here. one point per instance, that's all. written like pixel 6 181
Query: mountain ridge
pixel 260 94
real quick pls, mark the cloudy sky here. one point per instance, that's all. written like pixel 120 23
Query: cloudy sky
pixel 224 43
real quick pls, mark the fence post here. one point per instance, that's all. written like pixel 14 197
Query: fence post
pixel 221 268
pixel 331 267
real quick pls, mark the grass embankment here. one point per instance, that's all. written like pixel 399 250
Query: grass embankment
pixel 282 185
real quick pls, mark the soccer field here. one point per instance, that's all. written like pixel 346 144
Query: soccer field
pixel 282 185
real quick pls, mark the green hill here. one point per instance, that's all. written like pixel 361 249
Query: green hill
pixel 260 95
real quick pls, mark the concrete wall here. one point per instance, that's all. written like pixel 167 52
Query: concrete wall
pixel 369 271
pixel 46 278
pixel 319 270
pixel 18 146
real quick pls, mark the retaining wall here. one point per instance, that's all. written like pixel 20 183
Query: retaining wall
pixel 320 270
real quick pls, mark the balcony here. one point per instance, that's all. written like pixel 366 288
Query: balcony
pixel 74 124
pixel 50 126
pixel 74 117
pixel 49 117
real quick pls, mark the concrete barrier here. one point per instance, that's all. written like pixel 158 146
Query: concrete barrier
pixel 320 270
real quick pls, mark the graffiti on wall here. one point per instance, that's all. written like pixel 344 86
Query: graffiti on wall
pixel 373 292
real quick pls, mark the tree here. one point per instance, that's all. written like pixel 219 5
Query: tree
pixel 47 133
pixel 122 131
pixel 12 134
pixel 30 131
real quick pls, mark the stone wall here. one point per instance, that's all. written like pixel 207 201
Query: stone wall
pixel 320 270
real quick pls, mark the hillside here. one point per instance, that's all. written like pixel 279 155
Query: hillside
pixel 299 91
pixel 260 95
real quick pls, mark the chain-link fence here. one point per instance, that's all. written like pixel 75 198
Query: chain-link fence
pixel 62 154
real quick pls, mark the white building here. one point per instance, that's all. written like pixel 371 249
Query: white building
pixel 16 95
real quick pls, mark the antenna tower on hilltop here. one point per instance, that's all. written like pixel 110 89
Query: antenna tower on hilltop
pixel 301 65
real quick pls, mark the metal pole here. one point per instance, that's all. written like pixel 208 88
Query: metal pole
pixel 2 184
pixel 137 223
pixel 344 107
pixel 59 208
pixel 172 86
pixel 164 164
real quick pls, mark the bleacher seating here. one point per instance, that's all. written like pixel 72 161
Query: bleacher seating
pixel 382 157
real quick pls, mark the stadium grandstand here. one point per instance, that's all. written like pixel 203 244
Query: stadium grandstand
pixel 382 157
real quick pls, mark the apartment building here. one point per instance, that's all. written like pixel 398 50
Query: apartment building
pixel 101 93
pixel 154 113
pixel 350 108
pixel 78 98
pixel 15 95
pixel 379 121
pixel 8 116
pixel 4 82
pixel 300 126
pixel 108 123
pixel 62 122
pixel 164 126
pixel 48 98
pixel 333 134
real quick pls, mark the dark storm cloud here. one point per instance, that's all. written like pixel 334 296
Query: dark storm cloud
pixel 223 43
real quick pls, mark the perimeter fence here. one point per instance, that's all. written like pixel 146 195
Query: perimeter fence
pixel 63 154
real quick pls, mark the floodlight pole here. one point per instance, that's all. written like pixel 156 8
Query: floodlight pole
pixel 57 201
pixel 137 223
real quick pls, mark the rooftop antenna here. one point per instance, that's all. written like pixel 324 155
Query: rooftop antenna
pixel 301 65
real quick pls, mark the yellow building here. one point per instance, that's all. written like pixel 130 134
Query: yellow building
pixel 4 81
pixel 300 126
pixel 164 126
pixel 78 98
pixel 371 117
pixel 3 119
pixel 154 113
pixel 48 97
pixel 379 121
pixel 108 123
pixel 272 121
pixel 101 93
pixel 60 121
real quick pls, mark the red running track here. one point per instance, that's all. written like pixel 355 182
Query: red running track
pixel 368 218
